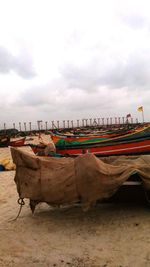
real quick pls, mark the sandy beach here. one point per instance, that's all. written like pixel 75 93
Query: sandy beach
pixel 109 235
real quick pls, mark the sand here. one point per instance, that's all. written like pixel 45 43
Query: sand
pixel 109 235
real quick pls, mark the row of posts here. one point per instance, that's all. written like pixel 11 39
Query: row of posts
pixel 72 123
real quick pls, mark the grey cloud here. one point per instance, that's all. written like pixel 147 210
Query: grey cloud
pixel 132 72
pixel 21 64
pixel 85 77
pixel 43 94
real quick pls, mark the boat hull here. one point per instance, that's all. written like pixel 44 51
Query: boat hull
pixel 17 143
pixel 134 135
pixel 127 148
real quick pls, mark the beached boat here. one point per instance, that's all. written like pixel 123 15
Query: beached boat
pixel 59 138
pixel 59 142
pixel 17 142
pixel 130 147
pixel 139 146
pixel 4 141
pixel 136 142
pixel 103 133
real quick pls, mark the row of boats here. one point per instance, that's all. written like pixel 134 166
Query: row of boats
pixel 104 143
pixel 121 142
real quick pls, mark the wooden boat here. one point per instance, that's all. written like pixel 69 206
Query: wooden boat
pixel 17 142
pixel 137 142
pixel 84 136
pixel 58 138
pixel 130 147
pixel 4 141
pixel 138 146
pixel 135 134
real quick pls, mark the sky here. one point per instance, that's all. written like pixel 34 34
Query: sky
pixel 73 59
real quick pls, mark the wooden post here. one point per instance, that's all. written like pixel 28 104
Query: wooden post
pixel 86 121
pixel 20 126
pixel 30 126
pixel 4 126
pixel 39 125
pixel 53 125
pixel 25 128
pixel 143 115
pixel 72 124
pixel 46 126
pixel 57 124
pixel 68 123
pixel 94 122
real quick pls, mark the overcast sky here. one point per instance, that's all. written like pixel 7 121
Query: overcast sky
pixel 74 59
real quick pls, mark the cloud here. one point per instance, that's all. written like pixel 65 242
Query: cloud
pixel 135 21
pixel 131 71
pixel 93 61
pixel 21 64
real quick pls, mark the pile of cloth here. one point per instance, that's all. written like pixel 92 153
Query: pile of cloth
pixel 84 179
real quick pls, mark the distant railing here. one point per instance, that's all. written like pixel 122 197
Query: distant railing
pixel 70 124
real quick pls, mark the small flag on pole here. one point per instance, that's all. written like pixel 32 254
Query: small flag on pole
pixel 128 115
pixel 140 109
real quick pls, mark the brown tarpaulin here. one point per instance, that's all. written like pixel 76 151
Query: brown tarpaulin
pixel 67 180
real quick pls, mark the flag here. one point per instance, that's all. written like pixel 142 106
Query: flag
pixel 140 109
pixel 128 115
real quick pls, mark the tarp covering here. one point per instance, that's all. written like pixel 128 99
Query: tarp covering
pixel 68 180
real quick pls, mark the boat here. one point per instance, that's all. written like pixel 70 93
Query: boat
pixel 17 142
pixel 139 146
pixel 4 141
pixel 103 133
pixel 137 142
pixel 59 139
pixel 143 132
pixel 131 147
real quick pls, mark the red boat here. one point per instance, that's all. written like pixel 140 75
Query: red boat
pixel 17 142
pixel 124 148
pixel 4 141
pixel 137 142
pixel 139 146
pixel 142 132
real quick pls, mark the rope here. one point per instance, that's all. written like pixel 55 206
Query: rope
pixel 21 203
